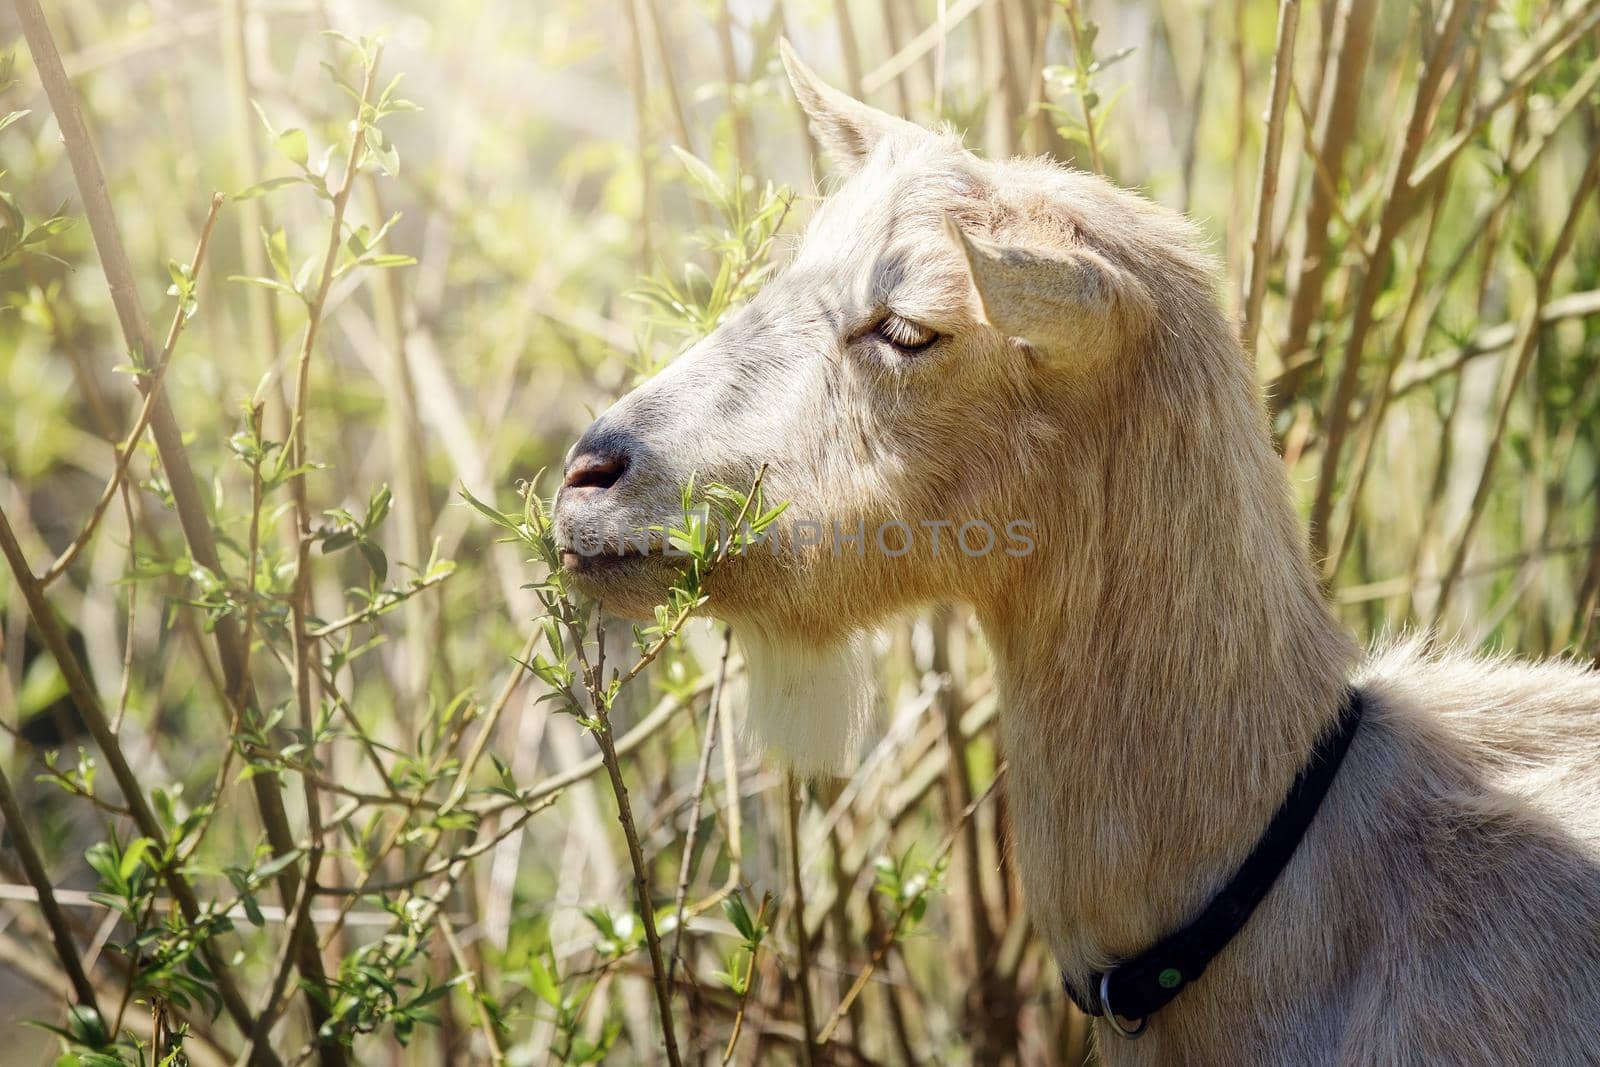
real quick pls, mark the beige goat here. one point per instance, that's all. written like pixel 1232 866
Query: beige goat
pixel 1015 342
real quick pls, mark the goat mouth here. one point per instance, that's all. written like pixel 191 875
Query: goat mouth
pixel 578 562
pixel 602 566
pixel 630 584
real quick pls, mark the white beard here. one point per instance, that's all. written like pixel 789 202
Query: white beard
pixel 809 704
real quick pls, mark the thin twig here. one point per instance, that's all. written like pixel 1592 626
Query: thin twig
pixel 630 742
pixel 669 78
pixel 641 872
pixel 893 933
pixel 130 639
pixel 643 149
pixel 497 1054
pixel 1267 185
pixel 1554 40
pixel 418 800
pixel 1406 583
pixel 928 40
pixel 802 943
pixel 1400 347
pixel 1489 341
pixel 1197 102
pixel 1531 330
pixel 378 608
pixel 253 550
pixel 39 878
pixel 443 867
pixel 300 594
pixel 491 720
pixel 130 443
pixel 737 1027
pixel 1396 210
pixel 849 47
pixel 743 137
pixel 948 708
pixel 94 718
pixel 304 650
pixel 1075 37
pixel 193 514
pixel 1337 113
pixel 1241 104
pixel 408 447
pixel 685 866
pixel 299 932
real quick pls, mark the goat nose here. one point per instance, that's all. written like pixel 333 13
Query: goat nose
pixel 596 470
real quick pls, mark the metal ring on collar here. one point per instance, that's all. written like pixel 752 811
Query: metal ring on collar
pixel 1127 1032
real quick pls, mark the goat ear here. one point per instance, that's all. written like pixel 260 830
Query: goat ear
pixel 847 129
pixel 1061 303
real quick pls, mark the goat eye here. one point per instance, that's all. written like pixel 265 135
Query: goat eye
pixel 905 335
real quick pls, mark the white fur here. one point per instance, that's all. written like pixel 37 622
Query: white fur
pixel 809 704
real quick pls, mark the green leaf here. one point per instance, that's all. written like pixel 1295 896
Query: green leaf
pixel 102 859
pixel 274 866
pixel 293 145
pixel 709 183
pixel 166 810
pixel 739 915
pixel 48 228
pixel 133 857
pixel 265 283
pixel 303 276
pixel 42 685
pixel 543 983
pixel 494 515
pixel 87 1027
pixel 375 557
pixel 265 122
pixel 261 188
pixel 11 217
pixel 277 245
pixel 383 153
pixel 346 40
pixel 378 507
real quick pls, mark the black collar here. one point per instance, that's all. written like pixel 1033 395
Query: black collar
pixel 1134 989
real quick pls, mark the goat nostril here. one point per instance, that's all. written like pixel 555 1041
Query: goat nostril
pixel 592 471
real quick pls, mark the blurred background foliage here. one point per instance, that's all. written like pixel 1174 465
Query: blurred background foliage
pixel 554 200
